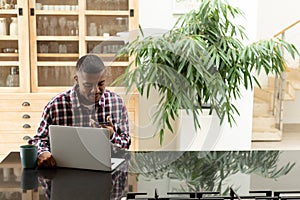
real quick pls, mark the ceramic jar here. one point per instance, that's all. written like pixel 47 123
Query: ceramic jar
pixel 13 27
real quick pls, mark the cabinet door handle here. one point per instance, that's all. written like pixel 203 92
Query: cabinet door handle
pixel 31 11
pixel 26 116
pixel 25 103
pixel 26 126
pixel 20 11
pixel 131 12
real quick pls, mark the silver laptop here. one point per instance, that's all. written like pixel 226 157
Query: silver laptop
pixel 82 148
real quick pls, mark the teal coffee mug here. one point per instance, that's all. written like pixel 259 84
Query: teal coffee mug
pixel 29 155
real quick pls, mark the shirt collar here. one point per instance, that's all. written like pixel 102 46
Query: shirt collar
pixel 74 96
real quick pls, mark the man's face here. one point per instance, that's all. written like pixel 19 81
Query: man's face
pixel 91 86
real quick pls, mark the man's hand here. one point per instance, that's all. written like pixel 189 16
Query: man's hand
pixel 109 125
pixel 46 160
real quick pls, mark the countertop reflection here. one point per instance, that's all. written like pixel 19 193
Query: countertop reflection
pixel 161 171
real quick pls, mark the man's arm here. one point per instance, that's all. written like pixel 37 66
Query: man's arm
pixel 121 137
pixel 41 139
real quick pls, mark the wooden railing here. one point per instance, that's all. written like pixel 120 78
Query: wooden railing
pixel 286 29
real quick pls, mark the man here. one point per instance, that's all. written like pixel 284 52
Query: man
pixel 87 103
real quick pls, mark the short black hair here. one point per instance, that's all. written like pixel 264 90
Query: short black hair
pixel 90 64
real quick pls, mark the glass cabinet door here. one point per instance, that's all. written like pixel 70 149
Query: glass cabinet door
pixel 14 61
pixel 63 31
pixel 107 27
pixel 54 40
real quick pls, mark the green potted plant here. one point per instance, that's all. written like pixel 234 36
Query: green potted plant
pixel 201 60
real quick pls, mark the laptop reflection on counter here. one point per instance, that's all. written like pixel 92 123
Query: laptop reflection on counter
pixel 82 148
pixel 78 184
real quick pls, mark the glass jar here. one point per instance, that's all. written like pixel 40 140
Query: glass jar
pixel 92 29
pixel 12 79
pixel 100 30
pixel 62 22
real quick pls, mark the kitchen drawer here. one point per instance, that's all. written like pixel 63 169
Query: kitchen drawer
pixel 14 137
pixel 8 147
pixel 2 156
pixel 22 105
pixel 24 102
pixel 11 140
pixel 19 121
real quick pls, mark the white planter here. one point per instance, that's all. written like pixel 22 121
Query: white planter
pixel 192 140
pixel 212 135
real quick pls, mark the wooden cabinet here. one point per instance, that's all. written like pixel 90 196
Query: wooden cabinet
pixel 14 51
pixel 20 115
pixel 51 36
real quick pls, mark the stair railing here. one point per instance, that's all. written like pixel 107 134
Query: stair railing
pixel 278 96
pixel 279 86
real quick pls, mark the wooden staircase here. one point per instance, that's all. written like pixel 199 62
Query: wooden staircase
pixel 264 125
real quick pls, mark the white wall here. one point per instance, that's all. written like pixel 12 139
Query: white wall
pixel 157 14
pixel 275 15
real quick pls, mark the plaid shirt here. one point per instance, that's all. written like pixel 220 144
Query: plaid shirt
pixel 65 109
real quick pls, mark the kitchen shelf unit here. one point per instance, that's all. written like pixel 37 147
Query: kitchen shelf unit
pixel 46 61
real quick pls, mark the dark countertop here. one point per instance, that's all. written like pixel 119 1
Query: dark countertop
pixel 162 172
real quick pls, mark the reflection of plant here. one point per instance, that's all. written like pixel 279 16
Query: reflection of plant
pixel 213 168
pixel 202 57
pixel 208 170
pixel 152 164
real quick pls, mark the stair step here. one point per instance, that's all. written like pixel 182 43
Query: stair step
pixel 263 122
pixel 293 78
pixel 293 74
pixel 267 94
pixel 289 88
pixel 261 107
pixel 295 84
pixel 263 94
pixel 270 134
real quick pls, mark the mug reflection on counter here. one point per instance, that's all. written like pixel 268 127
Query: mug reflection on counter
pixel 18 173
pixel 29 179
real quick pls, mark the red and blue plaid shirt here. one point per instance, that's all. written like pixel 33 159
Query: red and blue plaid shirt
pixel 65 109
